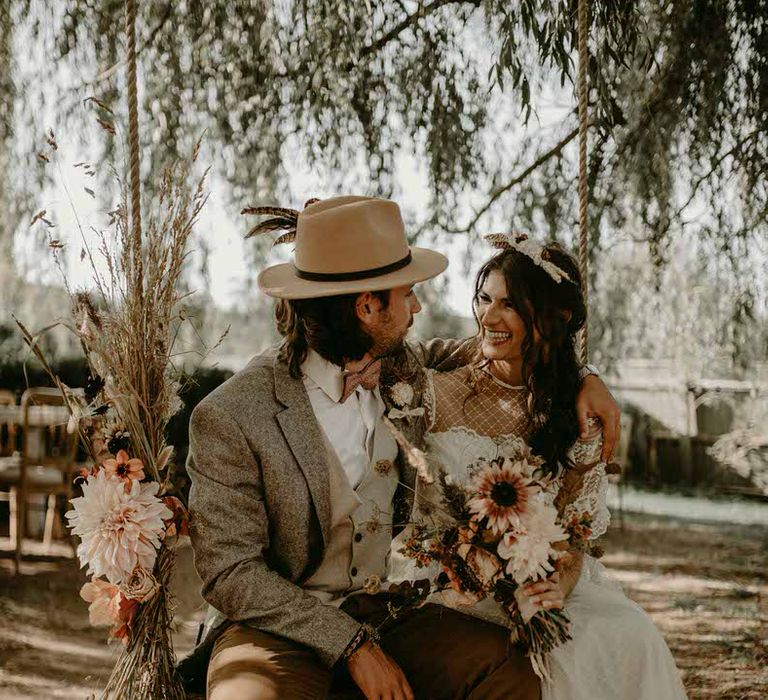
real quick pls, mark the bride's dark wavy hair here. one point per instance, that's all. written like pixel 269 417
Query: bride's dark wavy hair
pixel 550 366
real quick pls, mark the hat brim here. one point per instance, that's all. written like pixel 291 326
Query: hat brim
pixel 281 280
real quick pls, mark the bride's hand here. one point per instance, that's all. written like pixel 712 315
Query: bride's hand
pixel 546 594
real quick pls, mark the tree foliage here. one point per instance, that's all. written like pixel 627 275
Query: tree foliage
pixel 678 106
pixel 342 78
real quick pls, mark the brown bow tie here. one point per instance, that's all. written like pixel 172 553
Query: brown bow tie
pixel 368 378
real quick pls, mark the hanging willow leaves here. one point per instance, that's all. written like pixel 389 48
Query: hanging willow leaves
pixel 678 102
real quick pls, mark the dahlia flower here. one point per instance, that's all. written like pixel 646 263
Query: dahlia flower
pixel 119 525
pixel 503 495
pixel 529 552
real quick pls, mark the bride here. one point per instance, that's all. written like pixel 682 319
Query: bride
pixel 529 307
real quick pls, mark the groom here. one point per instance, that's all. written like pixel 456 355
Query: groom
pixel 294 477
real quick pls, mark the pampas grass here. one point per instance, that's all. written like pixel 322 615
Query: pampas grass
pixel 128 324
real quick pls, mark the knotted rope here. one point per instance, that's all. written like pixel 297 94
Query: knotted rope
pixel 583 30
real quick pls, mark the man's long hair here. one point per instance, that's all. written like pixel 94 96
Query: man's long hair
pixel 550 366
pixel 328 325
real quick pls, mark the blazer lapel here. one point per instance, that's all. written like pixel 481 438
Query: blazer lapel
pixel 304 437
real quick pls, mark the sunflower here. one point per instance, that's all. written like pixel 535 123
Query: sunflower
pixel 503 493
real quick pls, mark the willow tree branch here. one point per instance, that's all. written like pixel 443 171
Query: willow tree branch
pixel 516 180
pixel 715 166
pixel 411 20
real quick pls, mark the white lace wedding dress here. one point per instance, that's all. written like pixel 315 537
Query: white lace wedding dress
pixel 616 652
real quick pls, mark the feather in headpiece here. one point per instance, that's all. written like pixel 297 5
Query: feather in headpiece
pixel 282 219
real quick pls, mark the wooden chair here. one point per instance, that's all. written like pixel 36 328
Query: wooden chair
pixel 10 457
pixel 47 462
pixel 8 427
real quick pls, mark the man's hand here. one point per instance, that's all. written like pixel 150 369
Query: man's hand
pixel 594 399
pixel 378 676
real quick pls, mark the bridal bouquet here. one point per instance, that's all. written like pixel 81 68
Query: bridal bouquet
pixel 504 528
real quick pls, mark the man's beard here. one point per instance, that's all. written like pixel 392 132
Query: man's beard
pixel 390 345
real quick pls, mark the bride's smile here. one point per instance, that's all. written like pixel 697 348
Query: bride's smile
pixel 497 337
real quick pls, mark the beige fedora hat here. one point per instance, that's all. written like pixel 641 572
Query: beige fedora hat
pixel 350 244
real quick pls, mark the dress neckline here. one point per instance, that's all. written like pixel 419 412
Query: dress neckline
pixel 485 369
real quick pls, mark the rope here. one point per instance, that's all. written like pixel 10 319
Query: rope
pixel 583 194
pixel 133 145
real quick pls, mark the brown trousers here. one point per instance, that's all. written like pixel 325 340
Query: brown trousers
pixel 443 653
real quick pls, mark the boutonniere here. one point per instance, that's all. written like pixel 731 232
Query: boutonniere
pixel 402 395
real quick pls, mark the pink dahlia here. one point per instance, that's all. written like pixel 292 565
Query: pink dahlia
pixel 119 528
pixel 503 494
pixel 530 554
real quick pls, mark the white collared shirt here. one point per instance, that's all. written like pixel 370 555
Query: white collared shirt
pixel 349 426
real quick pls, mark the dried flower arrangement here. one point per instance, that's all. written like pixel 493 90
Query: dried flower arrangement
pixel 127 524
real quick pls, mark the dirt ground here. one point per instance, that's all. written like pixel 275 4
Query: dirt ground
pixel 704 584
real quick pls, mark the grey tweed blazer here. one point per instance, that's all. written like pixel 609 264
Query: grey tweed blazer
pixel 259 501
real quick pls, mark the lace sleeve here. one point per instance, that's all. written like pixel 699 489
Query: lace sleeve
pixel 592 497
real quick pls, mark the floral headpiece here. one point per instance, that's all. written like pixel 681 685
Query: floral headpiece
pixel 535 251
pixel 283 219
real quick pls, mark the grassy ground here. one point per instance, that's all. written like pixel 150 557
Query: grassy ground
pixel 706 588
pixel 47 647
pixel 704 584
